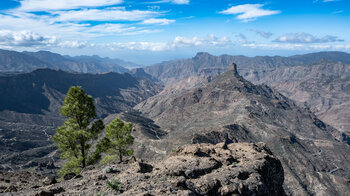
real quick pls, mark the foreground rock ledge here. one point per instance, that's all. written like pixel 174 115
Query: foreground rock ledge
pixel 198 169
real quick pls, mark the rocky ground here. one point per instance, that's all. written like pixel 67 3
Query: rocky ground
pixel 197 169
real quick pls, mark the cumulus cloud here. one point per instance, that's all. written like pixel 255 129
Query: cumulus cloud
pixel 177 42
pixel 24 39
pixel 160 21
pixel 262 33
pixel 297 46
pixel 74 44
pixel 302 37
pixel 47 5
pixel 249 12
pixel 10 39
pixel 211 40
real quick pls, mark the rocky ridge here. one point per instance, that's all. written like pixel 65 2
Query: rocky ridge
pixel 12 61
pixel 198 169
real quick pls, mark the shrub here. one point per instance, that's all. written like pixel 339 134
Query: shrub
pixel 114 184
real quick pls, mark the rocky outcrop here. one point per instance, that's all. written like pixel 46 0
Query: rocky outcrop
pixel 198 169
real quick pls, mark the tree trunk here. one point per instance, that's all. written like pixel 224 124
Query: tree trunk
pixel 83 153
pixel 120 155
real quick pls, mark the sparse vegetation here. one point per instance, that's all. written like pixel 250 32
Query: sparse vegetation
pixel 101 193
pixel 114 184
pixel 74 136
pixel 117 140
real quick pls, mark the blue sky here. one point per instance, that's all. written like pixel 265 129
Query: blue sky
pixel 151 31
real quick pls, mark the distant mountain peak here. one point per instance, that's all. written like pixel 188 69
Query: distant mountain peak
pixel 202 54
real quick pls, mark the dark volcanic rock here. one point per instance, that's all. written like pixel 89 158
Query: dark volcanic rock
pixel 200 169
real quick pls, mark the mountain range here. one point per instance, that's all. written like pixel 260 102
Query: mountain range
pixel 12 61
pixel 317 80
pixel 297 105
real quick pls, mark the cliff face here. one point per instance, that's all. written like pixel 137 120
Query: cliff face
pixel 199 169
pixel 231 108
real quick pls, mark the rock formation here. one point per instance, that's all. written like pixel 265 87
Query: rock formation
pixel 198 169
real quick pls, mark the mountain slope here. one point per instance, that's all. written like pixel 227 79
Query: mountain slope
pixel 319 79
pixel 12 61
pixel 29 109
pixel 85 64
pixel 231 109
pixel 323 86
pixel 334 56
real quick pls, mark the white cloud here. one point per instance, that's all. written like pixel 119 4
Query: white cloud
pixel 160 21
pixel 180 2
pixel 177 42
pixel 24 39
pixel 74 44
pixel 109 14
pixel 302 37
pixel 249 12
pixel 325 1
pixel 76 20
pixel 299 46
pixel 11 39
pixel 329 0
pixel 262 33
pixel 47 5
pixel 211 40
pixel 138 32
pixel 72 25
pixel 109 28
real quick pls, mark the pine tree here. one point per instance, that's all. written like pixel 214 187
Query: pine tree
pixel 73 138
pixel 117 140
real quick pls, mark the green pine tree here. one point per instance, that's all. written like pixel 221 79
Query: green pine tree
pixel 74 137
pixel 117 140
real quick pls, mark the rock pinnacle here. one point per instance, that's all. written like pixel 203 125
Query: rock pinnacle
pixel 233 67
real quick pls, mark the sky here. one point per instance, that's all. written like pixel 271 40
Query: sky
pixel 151 31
